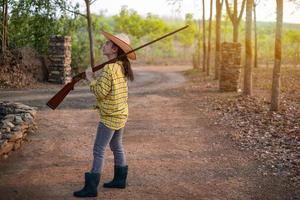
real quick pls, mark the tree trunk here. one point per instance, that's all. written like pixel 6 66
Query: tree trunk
pixel 255 36
pixel 4 25
pixel 199 45
pixel 218 38
pixel 209 40
pixel 236 32
pixel 204 38
pixel 248 43
pixel 235 18
pixel 277 63
pixel 235 23
pixel 90 31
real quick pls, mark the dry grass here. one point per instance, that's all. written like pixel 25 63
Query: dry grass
pixel 262 81
pixel 290 82
pixel 290 79
pixel 274 137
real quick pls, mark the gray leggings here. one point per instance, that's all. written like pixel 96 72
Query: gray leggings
pixel 104 136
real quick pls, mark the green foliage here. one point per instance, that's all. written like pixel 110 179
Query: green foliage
pixel 143 30
pixel 130 22
pixel 188 36
pixel 155 27
pixel 31 23
pixel 291 44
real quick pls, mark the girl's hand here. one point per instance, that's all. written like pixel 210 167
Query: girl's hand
pixel 89 74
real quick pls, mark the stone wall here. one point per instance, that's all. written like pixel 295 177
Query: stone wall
pixel 60 59
pixel 16 121
pixel 230 67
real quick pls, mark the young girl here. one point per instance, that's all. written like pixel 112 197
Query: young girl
pixel 111 92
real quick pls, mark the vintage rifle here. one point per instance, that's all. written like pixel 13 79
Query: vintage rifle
pixel 60 95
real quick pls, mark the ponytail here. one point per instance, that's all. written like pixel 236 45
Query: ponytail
pixel 126 64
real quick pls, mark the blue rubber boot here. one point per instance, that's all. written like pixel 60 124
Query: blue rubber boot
pixel 90 188
pixel 119 180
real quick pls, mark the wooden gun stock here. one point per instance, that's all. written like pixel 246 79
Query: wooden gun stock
pixel 60 95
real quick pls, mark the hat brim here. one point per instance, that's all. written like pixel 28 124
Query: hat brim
pixel 123 45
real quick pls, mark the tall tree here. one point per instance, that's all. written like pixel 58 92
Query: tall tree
pixel 198 46
pixel 204 37
pixel 88 3
pixel 218 38
pixel 235 18
pixel 4 25
pixel 255 3
pixel 248 43
pixel 209 40
pixel 277 64
pixel 90 31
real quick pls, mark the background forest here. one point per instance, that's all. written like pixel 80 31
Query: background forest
pixel 31 23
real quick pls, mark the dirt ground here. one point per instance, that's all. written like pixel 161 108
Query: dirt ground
pixel 173 148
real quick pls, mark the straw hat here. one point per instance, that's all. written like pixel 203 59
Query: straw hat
pixel 122 40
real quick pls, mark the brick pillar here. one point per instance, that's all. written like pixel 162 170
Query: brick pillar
pixel 60 59
pixel 230 67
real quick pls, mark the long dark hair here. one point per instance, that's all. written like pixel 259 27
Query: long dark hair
pixel 126 64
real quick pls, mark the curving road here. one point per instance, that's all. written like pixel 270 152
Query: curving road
pixel 147 80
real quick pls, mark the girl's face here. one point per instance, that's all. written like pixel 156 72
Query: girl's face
pixel 109 49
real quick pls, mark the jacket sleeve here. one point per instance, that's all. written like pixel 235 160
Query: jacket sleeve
pixel 102 85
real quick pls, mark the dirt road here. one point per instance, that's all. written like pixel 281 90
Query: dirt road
pixel 173 148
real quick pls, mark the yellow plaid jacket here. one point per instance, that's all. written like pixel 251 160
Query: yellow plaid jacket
pixel 111 92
